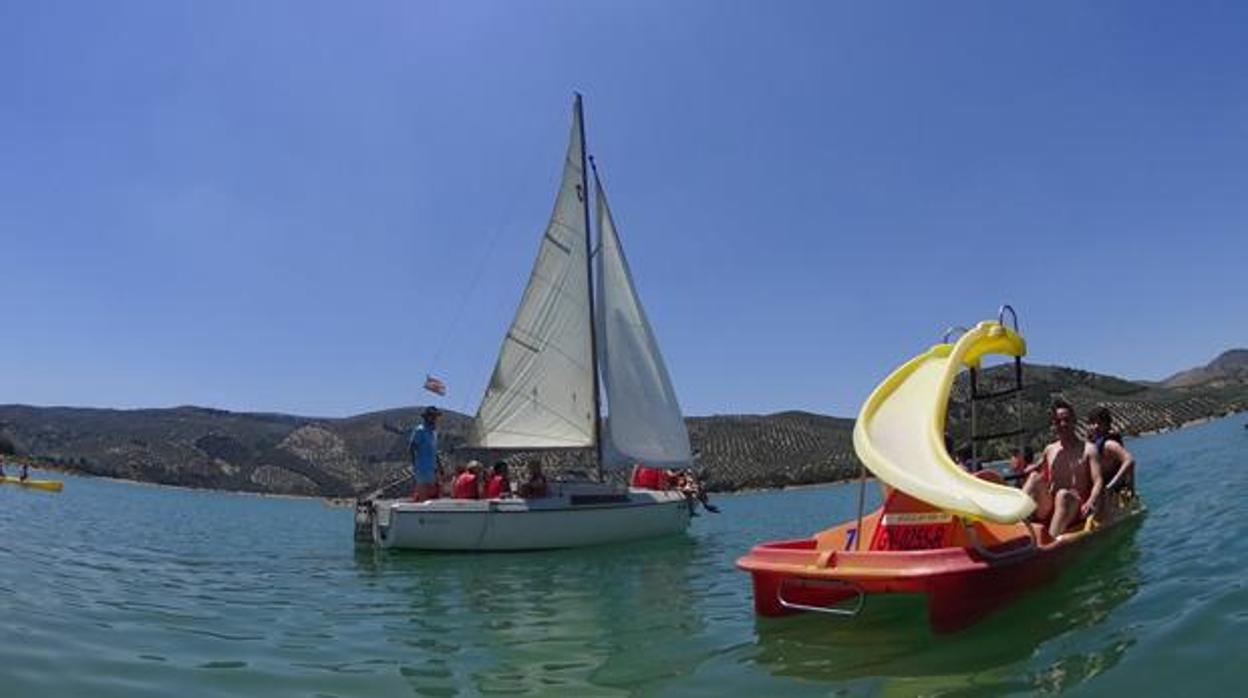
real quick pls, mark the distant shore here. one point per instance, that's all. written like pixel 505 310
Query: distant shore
pixel 48 467
pixel 40 464
pixel 1190 423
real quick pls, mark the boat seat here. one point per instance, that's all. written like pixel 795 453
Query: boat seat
pixel 990 476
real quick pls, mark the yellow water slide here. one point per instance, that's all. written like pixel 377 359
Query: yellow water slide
pixel 900 430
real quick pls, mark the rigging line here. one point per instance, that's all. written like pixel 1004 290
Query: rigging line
pixel 519 195
pixel 463 299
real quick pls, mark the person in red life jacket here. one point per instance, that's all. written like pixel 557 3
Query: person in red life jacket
pixel 450 488
pixel 498 485
pixel 535 486
pixel 647 478
pixel 467 484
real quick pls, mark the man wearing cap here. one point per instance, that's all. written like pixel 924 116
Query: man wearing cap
pixel 423 445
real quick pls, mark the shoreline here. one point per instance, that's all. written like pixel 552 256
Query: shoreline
pixel 37 463
pixel 41 466
pixel 1189 423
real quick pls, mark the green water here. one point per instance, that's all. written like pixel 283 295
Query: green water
pixel 111 589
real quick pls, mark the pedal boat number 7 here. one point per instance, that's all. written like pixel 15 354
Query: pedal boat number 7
pixel 963 541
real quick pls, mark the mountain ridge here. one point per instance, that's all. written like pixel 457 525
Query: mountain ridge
pixel 346 456
pixel 1231 364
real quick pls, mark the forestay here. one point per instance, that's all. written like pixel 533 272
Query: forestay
pixel 644 423
pixel 541 392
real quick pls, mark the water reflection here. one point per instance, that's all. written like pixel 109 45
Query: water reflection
pixel 566 621
pixel 892 640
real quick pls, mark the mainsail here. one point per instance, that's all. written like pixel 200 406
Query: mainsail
pixel 541 394
pixel 645 423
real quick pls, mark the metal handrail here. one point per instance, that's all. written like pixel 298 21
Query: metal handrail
pixel 830 610
pixel 862 500
pixel 1001 316
pixel 1007 392
pixel 944 338
pixel 1020 431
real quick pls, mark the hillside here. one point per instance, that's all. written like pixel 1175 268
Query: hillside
pixel 275 453
pixel 1229 367
pixel 1138 408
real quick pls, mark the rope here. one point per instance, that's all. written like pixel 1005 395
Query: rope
pixel 457 315
pixel 508 222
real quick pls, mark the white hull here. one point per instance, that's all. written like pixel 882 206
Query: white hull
pixel 576 516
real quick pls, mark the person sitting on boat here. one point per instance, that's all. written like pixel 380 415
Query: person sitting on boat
pixel 447 480
pixel 1068 487
pixel 498 485
pixel 467 484
pixel 966 459
pixel 689 485
pixel 535 486
pixel 1116 460
pixel 1022 464
pixel 423 447
pixel 648 478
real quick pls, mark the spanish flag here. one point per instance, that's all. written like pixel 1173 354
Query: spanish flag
pixel 434 385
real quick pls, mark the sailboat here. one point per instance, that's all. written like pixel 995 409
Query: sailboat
pixel 573 327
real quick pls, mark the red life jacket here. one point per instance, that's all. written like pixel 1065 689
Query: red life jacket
pixel 645 477
pixel 496 487
pixel 465 486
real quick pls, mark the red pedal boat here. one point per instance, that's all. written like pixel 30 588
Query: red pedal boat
pixel 965 568
pixel 964 541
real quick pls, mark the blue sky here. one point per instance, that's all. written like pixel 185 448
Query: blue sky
pixel 303 207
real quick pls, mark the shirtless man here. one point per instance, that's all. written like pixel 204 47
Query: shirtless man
pixel 1069 486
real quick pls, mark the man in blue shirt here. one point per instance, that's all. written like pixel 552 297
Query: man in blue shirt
pixel 423 446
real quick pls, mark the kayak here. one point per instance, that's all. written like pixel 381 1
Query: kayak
pixel 46 485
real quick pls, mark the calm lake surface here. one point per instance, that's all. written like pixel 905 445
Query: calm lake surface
pixel 112 589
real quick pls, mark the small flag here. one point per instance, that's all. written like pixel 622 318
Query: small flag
pixel 434 385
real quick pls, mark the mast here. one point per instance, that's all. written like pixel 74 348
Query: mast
pixel 589 277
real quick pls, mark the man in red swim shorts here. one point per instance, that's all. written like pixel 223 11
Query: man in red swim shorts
pixel 1069 485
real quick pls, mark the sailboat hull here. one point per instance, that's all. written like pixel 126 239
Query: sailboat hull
pixel 573 518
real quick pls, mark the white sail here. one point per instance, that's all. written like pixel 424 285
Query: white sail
pixel 644 423
pixel 541 392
